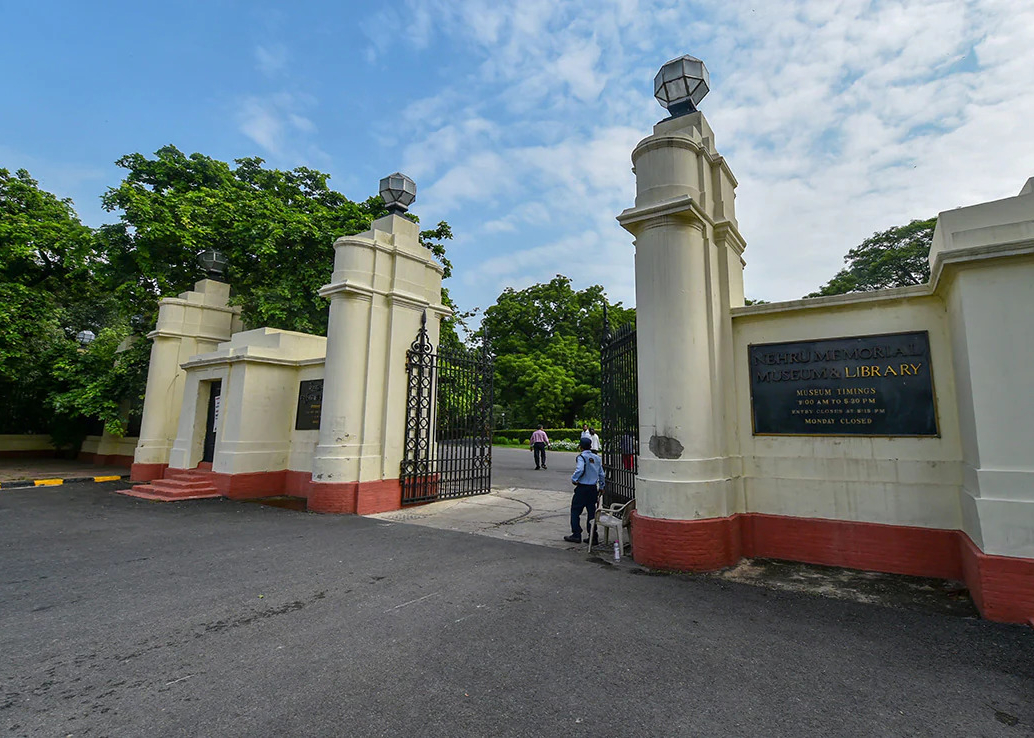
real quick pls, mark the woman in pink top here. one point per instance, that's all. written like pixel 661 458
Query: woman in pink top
pixel 539 441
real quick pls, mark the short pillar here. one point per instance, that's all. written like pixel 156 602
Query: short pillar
pixel 383 283
pixel 192 323
pixel 689 273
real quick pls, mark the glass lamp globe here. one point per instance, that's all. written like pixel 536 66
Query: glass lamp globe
pixel 681 84
pixel 213 262
pixel 85 338
pixel 398 192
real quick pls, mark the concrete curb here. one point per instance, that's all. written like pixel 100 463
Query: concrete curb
pixel 55 482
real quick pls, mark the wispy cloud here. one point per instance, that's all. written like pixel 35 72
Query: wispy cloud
pixel 277 123
pixel 839 119
pixel 271 59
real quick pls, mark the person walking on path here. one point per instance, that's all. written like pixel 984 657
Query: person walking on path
pixel 588 480
pixel 595 438
pixel 539 441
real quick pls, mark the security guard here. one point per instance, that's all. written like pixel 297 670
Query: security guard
pixel 588 479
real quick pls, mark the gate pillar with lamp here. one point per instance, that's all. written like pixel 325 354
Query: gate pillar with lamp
pixel 689 272
pixel 383 282
pixel 191 323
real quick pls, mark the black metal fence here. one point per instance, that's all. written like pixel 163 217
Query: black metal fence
pixel 619 398
pixel 22 411
pixel 448 442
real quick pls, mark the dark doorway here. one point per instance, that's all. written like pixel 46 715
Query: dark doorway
pixel 212 424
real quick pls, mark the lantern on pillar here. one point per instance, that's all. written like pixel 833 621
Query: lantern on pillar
pixel 398 192
pixel 213 262
pixel 681 84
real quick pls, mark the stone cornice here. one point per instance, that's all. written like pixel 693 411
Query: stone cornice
pixel 684 206
pixel 845 300
pixel 959 257
pixel 392 296
pixel 726 231
pixel 250 359
pixel 165 333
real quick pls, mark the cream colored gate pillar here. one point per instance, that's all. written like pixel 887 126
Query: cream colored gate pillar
pixel 689 273
pixel 192 323
pixel 383 283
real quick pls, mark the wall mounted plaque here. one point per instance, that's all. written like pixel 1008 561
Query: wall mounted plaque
pixel 310 404
pixel 858 386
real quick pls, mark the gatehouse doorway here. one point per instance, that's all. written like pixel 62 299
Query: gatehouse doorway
pixel 212 422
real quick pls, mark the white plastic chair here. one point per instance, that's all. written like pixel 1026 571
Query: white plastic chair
pixel 614 517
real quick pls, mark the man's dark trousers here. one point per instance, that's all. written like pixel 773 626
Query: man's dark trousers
pixel 540 454
pixel 584 499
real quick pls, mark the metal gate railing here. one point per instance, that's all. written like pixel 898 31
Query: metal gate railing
pixel 619 398
pixel 448 442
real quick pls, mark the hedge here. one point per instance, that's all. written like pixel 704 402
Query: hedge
pixel 523 435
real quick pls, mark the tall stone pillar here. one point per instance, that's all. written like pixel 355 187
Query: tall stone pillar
pixel 189 324
pixel 689 273
pixel 383 283
pixel 982 261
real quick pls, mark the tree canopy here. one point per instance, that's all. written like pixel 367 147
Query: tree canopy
pixel 546 339
pixel 896 257
pixel 59 277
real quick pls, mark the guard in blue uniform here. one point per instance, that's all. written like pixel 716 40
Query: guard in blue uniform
pixel 588 480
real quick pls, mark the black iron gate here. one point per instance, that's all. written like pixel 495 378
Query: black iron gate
pixel 448 449
pixel 619 397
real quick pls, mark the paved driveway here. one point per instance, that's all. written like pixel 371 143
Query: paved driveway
pixel 121 617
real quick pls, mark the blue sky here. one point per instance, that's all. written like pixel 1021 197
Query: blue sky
pixel 517 120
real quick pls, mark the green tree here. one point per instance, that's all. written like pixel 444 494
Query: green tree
pixel 896 257
pixel 276 228
pixel 58 277
pixel 546 339
pixel 48 294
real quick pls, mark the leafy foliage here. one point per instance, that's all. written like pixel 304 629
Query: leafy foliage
pixel 276 228
pixel 59 277
pixel 896 257
pixel 546 339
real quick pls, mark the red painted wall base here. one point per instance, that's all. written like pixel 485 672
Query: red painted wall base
pixel 146 472
pixel 1002 587
pixel 360 498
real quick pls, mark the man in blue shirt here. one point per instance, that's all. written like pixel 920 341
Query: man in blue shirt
pixel 588 479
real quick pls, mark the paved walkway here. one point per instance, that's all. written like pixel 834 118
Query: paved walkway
pixel 538 517
pixel 21 468
pixel 125 618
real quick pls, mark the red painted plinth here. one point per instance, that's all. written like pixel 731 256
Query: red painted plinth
pixel 146 472
pixel 249 485
pixel 297 483
pixel 360 498
pixel 1002 587
pixel 895 549
pixel 685 545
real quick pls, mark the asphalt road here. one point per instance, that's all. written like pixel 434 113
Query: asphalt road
pixel 515 467
pixel 120 617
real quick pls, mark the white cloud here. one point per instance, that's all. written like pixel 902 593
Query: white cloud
pixel 271 60
pixel 277 124
pixel 839 119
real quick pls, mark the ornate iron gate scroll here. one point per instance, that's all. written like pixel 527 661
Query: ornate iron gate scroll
pixel 619 397
pixel 448 446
